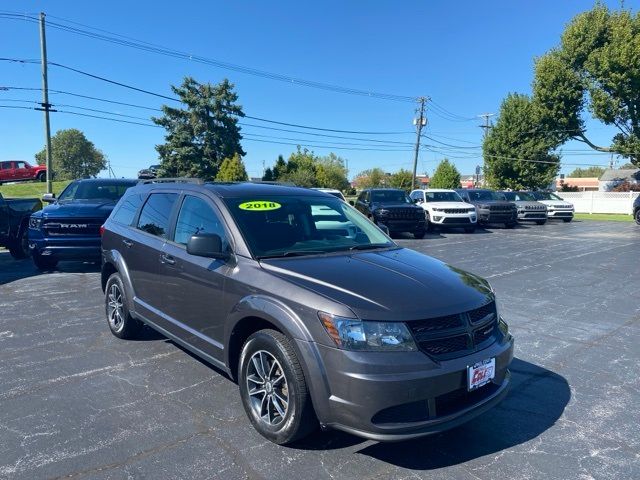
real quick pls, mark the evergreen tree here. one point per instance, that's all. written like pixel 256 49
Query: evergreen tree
pixel 232 170
pixel 204 133
pixel 445 176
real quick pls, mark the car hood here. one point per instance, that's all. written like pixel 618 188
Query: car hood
pixel 447 205
pixel 78 209
pixel 393 285
pixel 553 203
pixel 492 202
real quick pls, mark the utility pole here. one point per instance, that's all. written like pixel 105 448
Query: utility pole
pixel 486 125
pixel 46 106
pixel 419 122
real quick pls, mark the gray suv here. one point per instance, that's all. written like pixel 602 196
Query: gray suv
pixel 308 306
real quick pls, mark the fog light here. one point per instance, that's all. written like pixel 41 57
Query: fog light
pixel 437 219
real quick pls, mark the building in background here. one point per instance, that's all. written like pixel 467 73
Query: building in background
pixel 472 181
pixel 611 178
pixel 586 184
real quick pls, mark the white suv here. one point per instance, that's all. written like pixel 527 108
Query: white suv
pixel 445 208
pixel 557 208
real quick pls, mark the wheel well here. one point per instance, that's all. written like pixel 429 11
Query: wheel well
pixel 243 330
pixel 107 270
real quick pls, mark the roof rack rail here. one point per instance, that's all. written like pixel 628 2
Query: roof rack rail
pixel 172 180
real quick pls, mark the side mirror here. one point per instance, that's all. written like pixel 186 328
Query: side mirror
pixel 352 203
pixel 207 245
pixel 49 197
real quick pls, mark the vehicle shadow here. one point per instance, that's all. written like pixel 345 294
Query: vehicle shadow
pixel 12 270
pixel 535 402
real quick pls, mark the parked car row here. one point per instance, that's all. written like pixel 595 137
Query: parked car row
pixel 392 209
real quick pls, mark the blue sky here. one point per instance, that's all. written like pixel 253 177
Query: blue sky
pixel 465 55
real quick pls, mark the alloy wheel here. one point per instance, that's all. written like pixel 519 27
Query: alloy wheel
pixel 267 388
pixel 115 308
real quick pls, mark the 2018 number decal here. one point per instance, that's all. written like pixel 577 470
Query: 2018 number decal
pixel 259 205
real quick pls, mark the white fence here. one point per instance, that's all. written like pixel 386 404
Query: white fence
pixel 601 202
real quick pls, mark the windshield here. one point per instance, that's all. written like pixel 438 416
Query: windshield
pixel 525 196
pixel 476 195
pixel 546 196
pixel 90 191
pixel 336 194
pixel 442 197
pixel 389 196
pixel 275 226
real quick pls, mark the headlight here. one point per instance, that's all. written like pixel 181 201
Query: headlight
pixel 503 327
pixel 437 209
pixel 354 334
pixel 472 210
pixel 35 222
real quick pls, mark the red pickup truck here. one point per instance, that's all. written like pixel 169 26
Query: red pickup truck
pixel 19 171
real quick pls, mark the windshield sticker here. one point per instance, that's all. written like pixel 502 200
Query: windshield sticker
pixel 259 206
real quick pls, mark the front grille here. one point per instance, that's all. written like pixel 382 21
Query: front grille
pixel 532 208
pixel 456 220
pixel 456 335
pixel 456 210
pixel 501 208
pixel 405 413
pixel 458 400
pixel 404 214
pixel 72 227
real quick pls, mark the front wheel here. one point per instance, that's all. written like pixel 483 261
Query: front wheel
pixel 540 222
pixel 510 225
pixel 567 220
pixel 419 234
pixel 44 263
pixel 120 321
pixel 273 389
pixel 42 177
pixel 20 249
pixel 469 229
pixel 637 216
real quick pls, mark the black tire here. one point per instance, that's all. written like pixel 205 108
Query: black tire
pixel 20 249
pixel 636 215
pixel 120 321
pixel 42 177
pixel 510 225
pixel 567 220
pixel 44 263
pixel 469 229
pixel 430 227
pixel 540 222
pixel 299 418
pixel 419 234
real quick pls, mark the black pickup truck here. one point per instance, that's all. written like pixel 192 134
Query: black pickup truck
pixel 14 223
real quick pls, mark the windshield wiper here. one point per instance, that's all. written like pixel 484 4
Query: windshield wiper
pixel 369 246
pixel 292 253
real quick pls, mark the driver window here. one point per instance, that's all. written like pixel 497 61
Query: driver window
pixel 196 216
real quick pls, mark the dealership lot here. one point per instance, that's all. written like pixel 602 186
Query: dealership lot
pixel 78 403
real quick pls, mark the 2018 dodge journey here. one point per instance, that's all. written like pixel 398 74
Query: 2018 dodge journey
pixel 310 307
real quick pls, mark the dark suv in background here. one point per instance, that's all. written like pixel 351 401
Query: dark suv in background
pixel 393 209
pixel 492 206
pixel 636 210
pixel 310 307
pixel 69 228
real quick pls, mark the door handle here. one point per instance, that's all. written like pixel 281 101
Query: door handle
pixel 168 259
pixel 127 243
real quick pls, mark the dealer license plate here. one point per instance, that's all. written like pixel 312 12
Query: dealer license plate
pixel 481 373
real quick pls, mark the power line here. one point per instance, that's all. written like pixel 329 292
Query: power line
pixel 130 42
pixel 175 99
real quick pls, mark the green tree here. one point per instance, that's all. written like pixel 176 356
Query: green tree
pixel 300 169
pixel 516 154
pixel 445 176
pixel 587 172
pixel 401 179
pixel 232 170
pixel 374 177
pixel 203 133
pixel 331 172
pixel 73 156
pixel 595 69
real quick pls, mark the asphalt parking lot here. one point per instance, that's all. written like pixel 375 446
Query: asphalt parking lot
pixel 76 402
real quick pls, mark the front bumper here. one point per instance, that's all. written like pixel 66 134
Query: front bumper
pixel 399 395
pixel 453 220
pixel 560 213
pixel 396 225
pixel 65 248
pixel 485 216
pixel 532 215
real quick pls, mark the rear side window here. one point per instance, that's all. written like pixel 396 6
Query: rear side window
pixel 126 212
pixel 154 217
pixel 196 216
